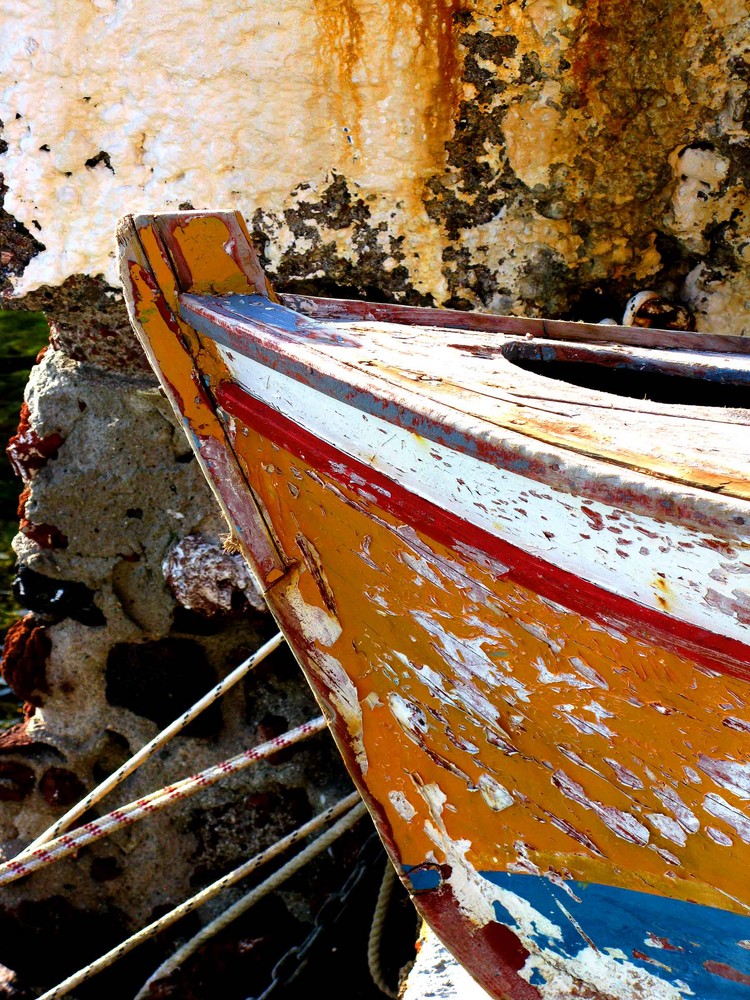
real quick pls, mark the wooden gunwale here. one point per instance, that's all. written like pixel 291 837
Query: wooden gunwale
pixel 550 329
pixel 713 651
pixel 671 487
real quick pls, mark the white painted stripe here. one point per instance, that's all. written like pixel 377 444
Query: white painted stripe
pixel 662 560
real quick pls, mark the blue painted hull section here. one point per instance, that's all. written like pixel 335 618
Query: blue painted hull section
pixel 702 951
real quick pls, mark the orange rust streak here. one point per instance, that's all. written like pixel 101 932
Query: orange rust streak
pixel 438 35
pixel 347 59
pixel 551 677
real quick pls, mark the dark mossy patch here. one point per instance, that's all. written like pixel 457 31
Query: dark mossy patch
pixel 160 679
pixel 16 780
pixel 471 191
pixel 322 269
pixel 91 323
pixel 57 598
pixel 19 245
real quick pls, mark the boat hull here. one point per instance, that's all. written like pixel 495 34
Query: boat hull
pixel 557 768
pixel 541 780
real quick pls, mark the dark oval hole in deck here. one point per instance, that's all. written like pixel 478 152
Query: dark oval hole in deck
pixel 636 378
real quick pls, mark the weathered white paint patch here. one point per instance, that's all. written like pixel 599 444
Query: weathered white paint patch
pixel 612 974
pixel 364 551
pixel 668 828
pixel 584 726
pixel 730 774
pixel 345 700
pixel 494 794
pixel 316 623
pixel 721 809
pixel 409 716
pixel 676 555
pixel 433 681
pixel 540 633
pixel 621 823
pixel 473 893
pixel 372 700
pixel 719 837
pixel 469 663
pixel 623 774
pixel 546 676
pixel 402 805
pixel 421 568
pixel 588 672
pixel 684 816
pixel 607 971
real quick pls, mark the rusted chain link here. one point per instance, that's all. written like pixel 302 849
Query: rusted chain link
pixel 291 965
pixel 356 811
pixel 237 909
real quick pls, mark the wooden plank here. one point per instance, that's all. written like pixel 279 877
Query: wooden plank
pixel 439 377
pixel 550 329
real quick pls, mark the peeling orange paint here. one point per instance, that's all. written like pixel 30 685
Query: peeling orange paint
pixel 494 728
pixel 598 695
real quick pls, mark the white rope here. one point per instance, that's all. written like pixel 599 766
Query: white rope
pixel 376 929
pixel 69 843
pixel 151 747
pixel 238 908
pixel 212 890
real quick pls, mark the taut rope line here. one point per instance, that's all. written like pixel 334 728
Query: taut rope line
pixel 150 748
pixel 356 811
pixel 133 811
pixel 237 909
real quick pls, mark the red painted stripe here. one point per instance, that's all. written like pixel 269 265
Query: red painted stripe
pixel 714 651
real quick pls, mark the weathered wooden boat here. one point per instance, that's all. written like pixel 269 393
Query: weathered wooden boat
pixel 511 557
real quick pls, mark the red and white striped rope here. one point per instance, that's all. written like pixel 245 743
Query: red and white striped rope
pixel 68 843
pixel 150 748
pixel 356 811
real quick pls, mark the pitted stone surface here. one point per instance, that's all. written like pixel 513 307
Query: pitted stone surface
pixel 207 579
pixel 106 656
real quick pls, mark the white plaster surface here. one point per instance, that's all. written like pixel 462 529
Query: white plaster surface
pixel 228 103
pixel 258 106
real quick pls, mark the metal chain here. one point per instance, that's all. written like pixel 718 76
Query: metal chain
pixel 291 964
